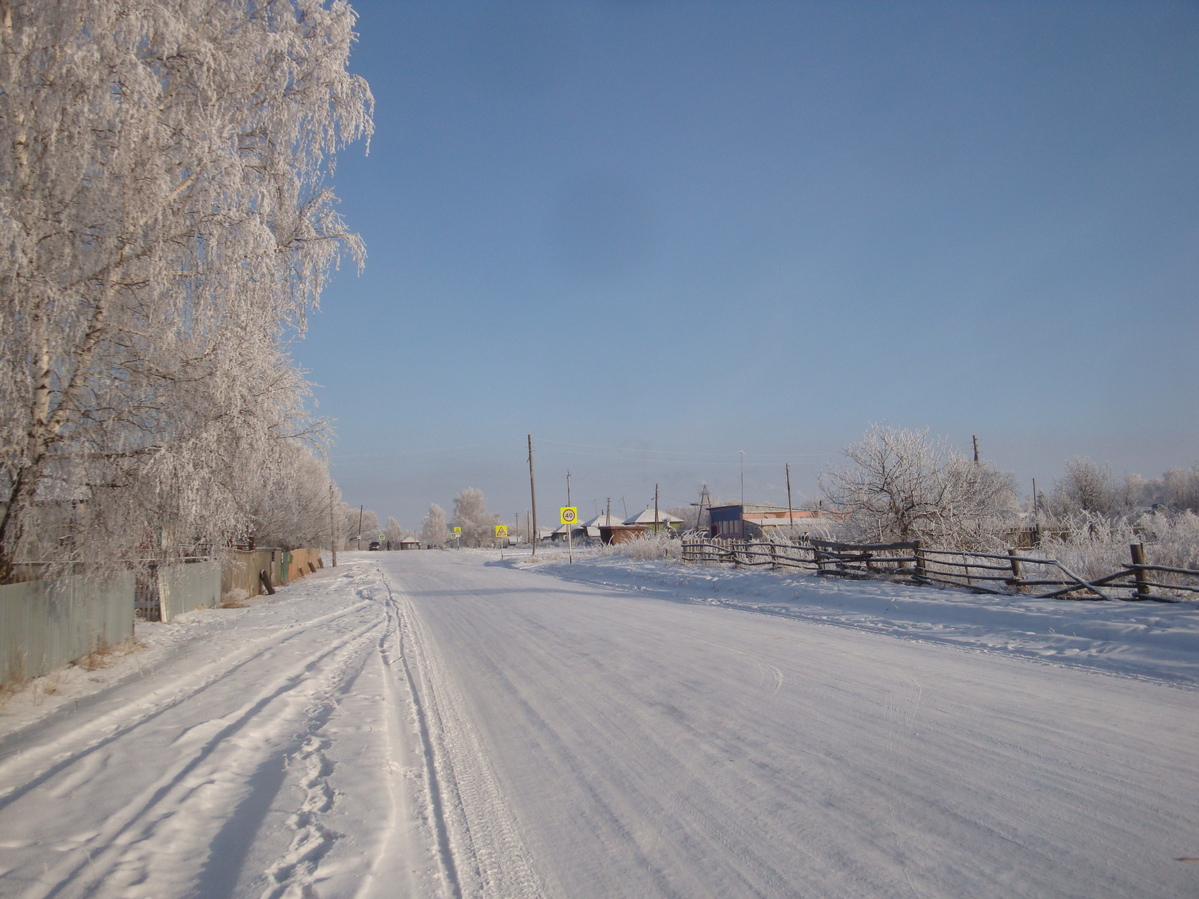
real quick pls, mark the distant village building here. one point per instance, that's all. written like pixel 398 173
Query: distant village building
pixel 750 521
pixel 622 533
pixel 593 528
pixel 647 520
pixel 409 543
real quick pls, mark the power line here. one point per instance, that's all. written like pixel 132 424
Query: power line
pixel 707 454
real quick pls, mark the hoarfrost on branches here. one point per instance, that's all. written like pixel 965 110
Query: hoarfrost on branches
pixel 901 485
pixel 470 514
pixel 393 533
pixel 433 528
pixel 166 225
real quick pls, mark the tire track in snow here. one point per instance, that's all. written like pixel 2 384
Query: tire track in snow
pixel 477 835
pixel 124 852
pixel 437 812
pixel 399 851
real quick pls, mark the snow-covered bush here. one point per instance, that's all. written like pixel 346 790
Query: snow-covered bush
pixel 648 546
pixel 1093 545
pixel 1172 539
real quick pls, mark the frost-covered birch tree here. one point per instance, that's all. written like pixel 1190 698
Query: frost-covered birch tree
pixel 434 531
pixel 393 532
pixel 291 501
pixel 166 223
pixel 470 514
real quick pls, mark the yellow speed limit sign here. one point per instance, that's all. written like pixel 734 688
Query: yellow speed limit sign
pixel 570 514
pixel 501 530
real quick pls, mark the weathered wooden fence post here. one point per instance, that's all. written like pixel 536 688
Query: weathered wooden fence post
pixel 1015 563
pixel 921 568
pixel 1141 576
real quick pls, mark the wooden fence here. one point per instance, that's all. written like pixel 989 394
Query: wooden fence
pixel 1010 573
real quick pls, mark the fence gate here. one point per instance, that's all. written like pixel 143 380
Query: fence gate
pixel 147 603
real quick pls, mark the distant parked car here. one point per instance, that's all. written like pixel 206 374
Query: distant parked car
pixel 374 545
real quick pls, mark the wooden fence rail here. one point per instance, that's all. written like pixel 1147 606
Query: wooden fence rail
pixel 1004 574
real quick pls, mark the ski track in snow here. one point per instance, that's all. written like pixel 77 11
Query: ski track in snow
pixel 435 726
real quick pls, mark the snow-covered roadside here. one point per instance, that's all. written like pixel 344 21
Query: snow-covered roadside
pixel 1146 639
pixel 438 725
pixel 73 685
pixel 263 751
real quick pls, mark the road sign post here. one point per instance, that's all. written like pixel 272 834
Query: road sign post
pixel 569 515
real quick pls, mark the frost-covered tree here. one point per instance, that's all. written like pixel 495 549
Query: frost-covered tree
pixel 1086 487
pixel 470 514
pixel 901 485
pixel 291 502
pixel 359 525
pixel 433 527
pixel 393 532
pixel 165 223
pixel 1179 489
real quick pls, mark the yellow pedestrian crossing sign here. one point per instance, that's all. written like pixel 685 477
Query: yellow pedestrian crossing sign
pixel 501 530
pixel 570 514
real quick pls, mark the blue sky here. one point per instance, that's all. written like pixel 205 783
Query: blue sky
pixel 657 234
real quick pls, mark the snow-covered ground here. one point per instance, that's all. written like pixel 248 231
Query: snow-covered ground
pixel 445 724
pixel 1152 639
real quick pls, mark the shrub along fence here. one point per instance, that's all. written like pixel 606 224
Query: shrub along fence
pixel 1010 573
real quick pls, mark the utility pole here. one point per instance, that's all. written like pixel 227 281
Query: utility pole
pixel 742 452
pixel 533 494
pixel 976 450
pixel 332 527
pixel 568 488
pixel 657 525
pixel 360 527
pixel 790 514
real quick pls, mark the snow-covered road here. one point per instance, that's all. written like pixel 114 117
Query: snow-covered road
pixel 433 724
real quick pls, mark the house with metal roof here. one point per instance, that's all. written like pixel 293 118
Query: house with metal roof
pixel 647 520
pixel 749 521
